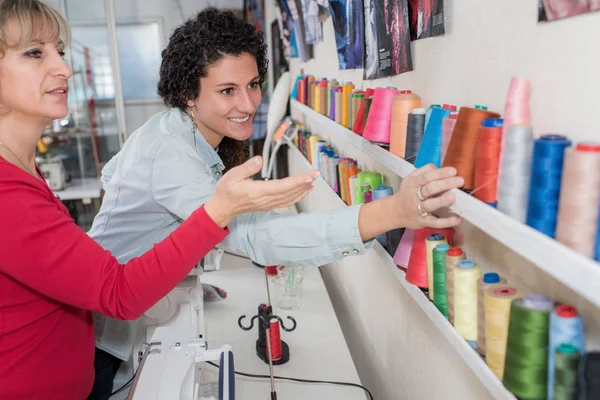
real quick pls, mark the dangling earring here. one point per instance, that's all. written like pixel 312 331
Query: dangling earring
pixel 194 127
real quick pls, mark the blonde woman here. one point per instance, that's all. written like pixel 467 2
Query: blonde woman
pixel 53 275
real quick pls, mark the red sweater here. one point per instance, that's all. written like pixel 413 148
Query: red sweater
pixel 52 276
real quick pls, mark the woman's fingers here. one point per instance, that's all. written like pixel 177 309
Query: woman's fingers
pixel 443 201
pixel 435 174
pixel 436 187
pixel 441 223
pixel 279 186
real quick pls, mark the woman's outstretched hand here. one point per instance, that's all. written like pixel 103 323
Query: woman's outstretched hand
pixel 236 193
pixel 423 192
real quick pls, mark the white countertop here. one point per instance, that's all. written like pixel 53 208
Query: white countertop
pixel 318 349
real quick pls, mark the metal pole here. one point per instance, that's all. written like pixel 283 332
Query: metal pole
pixel 111 26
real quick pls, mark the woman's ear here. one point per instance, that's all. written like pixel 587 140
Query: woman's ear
pixel 190 103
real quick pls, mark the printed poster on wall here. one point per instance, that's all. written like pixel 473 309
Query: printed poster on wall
pixel 551 10
pixel 280 64
pixel 387 38
pixel 312 25
pixel 426 18
pixel 288 32
pixel 348 24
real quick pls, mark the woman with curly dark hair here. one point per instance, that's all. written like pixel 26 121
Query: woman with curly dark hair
pixel 210 78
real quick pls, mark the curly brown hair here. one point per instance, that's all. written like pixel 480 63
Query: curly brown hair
pixel 196 45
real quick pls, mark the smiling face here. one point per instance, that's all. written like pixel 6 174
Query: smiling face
pixel 229 96
pixel 33 77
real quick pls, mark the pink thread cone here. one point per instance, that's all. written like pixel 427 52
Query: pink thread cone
pixel 402 254
pixel 516 111
pixel 377 128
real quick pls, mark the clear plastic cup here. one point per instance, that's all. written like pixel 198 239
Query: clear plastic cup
pixel 288 284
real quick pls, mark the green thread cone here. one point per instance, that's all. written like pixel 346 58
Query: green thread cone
pixel 526 366
pixel 565 375
pixel 440 298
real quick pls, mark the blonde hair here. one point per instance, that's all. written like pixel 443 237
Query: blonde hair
pixel 36 20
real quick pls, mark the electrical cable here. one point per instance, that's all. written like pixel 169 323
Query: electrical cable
pixel 119 390
pixel 298 380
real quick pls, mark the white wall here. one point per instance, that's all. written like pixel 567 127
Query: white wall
pixel 486 43
pixel 397 350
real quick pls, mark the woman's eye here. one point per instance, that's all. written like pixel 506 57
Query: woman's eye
pixel 254 85
pixel 62 54
pixel 227 91
pixel 34 53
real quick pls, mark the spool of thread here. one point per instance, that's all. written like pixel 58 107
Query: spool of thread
pixel 462 147
pixel 440 298
pixel 498 301
pixel 317 97
pixel 294 94
pixel 516 112
pixel 324 93
pixel 577 222
pixel 320 146
pixel 487 280
pixel 362 189
pixel 298 92
pixel 378 117
pixel 367 109
pixel 447 128
pixel 353 187
pixel 402 105
pixel 402 254
pixel 357 100
pixel 430 151
pixel 330 85
pixel 487 160
pixel 346 96
pixel 338 106
pixel 333 170
pixel 526 366
pixel 350 172
pixel 466 275
pixel 449 107
pixel 275 338
pixel 588 382
pixel 368 195
pixel 428 113
pixel 566 365
pixel 453 258
pixel 566 326
pixel 331 104
pixel 310 91
pixel 359 123
pixel 417 272
pixel 513 189
pixel 374 179
pixel 431 243
pixel 324 164
pixel 343 164
pixel 546 174
pixel 380 192
pixel 315 141
pixel 414 134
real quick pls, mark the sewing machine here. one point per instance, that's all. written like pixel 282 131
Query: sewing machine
pixel 170 364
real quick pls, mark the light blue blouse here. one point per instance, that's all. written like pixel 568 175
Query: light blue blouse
pixel 164 172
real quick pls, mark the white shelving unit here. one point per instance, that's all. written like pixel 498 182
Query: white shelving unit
pixel 575 271
pixel 470 356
